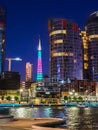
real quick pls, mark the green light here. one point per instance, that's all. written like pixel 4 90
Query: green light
pixel 39 77
pixel 39 53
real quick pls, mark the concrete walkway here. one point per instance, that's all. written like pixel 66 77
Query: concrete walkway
pixel 30 124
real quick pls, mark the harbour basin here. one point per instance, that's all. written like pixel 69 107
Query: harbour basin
pixel 76 118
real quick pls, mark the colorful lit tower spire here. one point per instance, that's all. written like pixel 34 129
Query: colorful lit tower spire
pixel 39 65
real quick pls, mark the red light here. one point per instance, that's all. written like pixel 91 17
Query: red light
pixel 75 27
pixel 64 22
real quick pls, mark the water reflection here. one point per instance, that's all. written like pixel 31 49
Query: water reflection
pixel 76 118
pixel 82 119
pixel 21 112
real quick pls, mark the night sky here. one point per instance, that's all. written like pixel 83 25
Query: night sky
pixel 27 19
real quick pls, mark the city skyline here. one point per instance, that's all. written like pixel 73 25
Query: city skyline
pixel 27 20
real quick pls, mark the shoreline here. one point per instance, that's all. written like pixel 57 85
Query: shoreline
pixel 29 105
pixel 32 124
pixel 70 104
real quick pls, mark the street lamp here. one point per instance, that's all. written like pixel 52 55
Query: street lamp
pixel 9 61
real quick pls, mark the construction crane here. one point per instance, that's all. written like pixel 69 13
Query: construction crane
pixel 10 60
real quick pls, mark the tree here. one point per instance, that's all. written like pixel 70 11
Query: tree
pixel 69 98
pixel 16 98
pixel 8 98
pixel 2 97
pixel 74 99
pixel 80 99
pixel 65 98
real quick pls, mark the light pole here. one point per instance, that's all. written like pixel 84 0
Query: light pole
pixel 9 62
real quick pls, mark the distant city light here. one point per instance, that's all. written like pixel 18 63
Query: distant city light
pixel 19 59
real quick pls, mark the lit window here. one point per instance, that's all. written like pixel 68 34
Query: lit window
pixel 58 41
pixel 85 46
pixel 58 32
pixel 85 57
pixel 62 54
pixel 70 54
pixel 92 57
pixel 93 36
pixel 85 66
pixel 75 61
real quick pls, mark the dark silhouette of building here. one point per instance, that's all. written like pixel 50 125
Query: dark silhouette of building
pixel 10 81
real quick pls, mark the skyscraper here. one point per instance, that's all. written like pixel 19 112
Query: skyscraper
pixel 92 35
pixel 65 50
pixel 2 37
pixel 39 65
pixel 28 72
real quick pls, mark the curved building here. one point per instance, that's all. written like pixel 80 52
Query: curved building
pixel 92 35
pixel 65 50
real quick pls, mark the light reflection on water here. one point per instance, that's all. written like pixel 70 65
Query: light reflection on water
pixel 83 119
pixel 37 112
pixel 76 118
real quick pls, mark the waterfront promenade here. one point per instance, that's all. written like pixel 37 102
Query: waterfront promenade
pixel 31 124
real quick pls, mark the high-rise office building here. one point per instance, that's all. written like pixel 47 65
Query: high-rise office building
pixel 2 37
pixel 65 50
pixel 28 72
pixel 92 35
pixel 39 65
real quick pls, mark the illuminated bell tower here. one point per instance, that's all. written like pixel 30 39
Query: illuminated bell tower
pixel 39 65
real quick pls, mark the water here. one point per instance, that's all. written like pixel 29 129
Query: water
pixel 76 118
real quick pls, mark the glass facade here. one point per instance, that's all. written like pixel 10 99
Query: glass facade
pixel 2 38
pixel 65 50
pixel 92 34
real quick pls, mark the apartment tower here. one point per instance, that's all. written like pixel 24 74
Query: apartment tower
pixel 65 50
pixel 92 35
